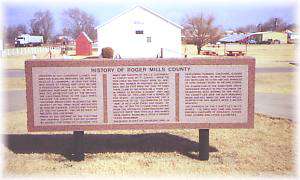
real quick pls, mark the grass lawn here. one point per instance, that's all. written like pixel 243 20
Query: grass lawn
pixel 18 62
pixel 265 150
pixel 11 84
pixel 272 55
pixel 276 55
pixel 266 56
pixel 282 83
pixel 268 149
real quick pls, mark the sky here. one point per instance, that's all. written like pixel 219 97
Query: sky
pixel 229 14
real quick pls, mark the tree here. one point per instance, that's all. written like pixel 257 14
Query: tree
pixel 76 21
pixel 274 24
pixel 291 26
pixel 11 32
pixel 42 24
pixel 200 30
pixel 247 29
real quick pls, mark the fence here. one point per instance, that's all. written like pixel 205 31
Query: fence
pixel 26 51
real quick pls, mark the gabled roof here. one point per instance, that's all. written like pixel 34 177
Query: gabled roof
pixel 87 37
pixel 146 9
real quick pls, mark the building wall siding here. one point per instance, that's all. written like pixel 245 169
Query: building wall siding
pixel 83 46
pixel 282 37
pixel 120 35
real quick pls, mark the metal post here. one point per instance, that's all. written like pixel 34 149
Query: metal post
pixel 204 144
pixel 78 148
pixel 161 53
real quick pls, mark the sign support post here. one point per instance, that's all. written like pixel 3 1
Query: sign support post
pixel 204 144
pixel 78 146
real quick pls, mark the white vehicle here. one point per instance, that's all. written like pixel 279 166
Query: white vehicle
pixel 28 40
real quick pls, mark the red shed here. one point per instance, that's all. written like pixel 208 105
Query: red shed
pixel 83 44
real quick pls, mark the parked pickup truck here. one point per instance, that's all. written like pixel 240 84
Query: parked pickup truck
pixel 28 40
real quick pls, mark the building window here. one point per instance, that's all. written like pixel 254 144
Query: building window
pixel 139 32
pixel 148 39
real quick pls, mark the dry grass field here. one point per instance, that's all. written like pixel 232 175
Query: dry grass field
pixel 266 150
pixel 282 83
pixel 17 62
pixel 277 55
pixel 12 84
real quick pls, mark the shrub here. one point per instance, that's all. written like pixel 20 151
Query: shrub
pixel 107 52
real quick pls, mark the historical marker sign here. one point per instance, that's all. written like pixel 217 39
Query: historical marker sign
pixel 140 94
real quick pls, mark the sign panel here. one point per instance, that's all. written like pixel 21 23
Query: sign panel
pixel 98 94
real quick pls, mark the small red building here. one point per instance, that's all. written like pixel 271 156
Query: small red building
pixel 83 44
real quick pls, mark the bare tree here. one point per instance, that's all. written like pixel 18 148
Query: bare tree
pixel 274 24
pixel 247 29
pixel 200 30
pixel 11 32
pixel 291 26
pixel 76 21
pixel 42 24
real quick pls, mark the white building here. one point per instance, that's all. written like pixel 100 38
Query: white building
pixel 140 32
